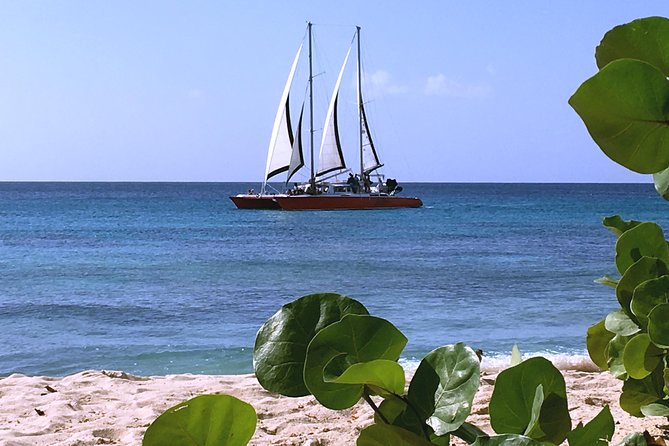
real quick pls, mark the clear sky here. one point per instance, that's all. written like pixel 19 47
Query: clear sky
pixel 467 91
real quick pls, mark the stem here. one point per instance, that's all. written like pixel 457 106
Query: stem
pixel 468 432
pixel 374 407
pixel 416 414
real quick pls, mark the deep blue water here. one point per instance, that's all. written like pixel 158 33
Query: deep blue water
pixel 160 278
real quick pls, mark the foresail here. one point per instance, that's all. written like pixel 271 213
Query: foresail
pixel 370 159
pixel 331 157
pixel 281 143
pixel 297 158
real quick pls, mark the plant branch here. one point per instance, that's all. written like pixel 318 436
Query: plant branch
pixel 374 407
pixel 413 408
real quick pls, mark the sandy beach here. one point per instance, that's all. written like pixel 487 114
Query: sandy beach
pixel 99 407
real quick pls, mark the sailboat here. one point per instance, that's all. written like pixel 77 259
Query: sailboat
pixel 367 189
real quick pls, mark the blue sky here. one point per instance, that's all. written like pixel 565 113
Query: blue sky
pixel 187 91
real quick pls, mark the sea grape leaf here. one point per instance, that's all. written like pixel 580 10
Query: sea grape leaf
pixel 614 351
pixel 533 429
pixel 617 225
pixel 647 296
pixel 443 440
pixel 507 440
pixel 659 409
pixel 658 325
pixel 661 181
pixel 387 376
pixel 644 39
pixel 281 344
pixel 352 340
pixel 666 381
pixel 598 431
pixel 206 420
pixel 388 435
pixel 634 439
pixel 597 340
pixel 642 392
pixel 619 323
pixel 469 432
pixel 514 395
pixel 644 269
pixel 623 108
pixel 608 281
pixel 516 357
pixel 646 239
pixel 444 385
pixel 640 356
pixel 395 412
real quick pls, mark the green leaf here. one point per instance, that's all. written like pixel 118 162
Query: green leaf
pixel 516 357
pixel 635 439
pixel 281 343
pixel 647 296
pixel 382 373
pixel 395 411
pixel 623 108
pixel 614 351
pixel 644 269
pixel 660 409
pixel 661 181
pixel 619 323
pixel 641 357
pixel 644 240
pixel 469 433
pixel 642 392
pixel 354 339
pixel 658 325
pixel 513 399
pixel 643 39
pixel 206 420
pixel 507 440
pixel 617 225
pixel 444 385
pixel 597 340
pixel 388 435
pixel 598 432
pixel 608 281
pixel 533 429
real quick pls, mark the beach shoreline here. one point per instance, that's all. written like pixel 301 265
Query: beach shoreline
pixel 101 407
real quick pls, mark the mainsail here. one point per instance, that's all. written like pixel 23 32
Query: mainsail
pixel 281 144
pixel 370 159
pixel 331 156
pixel 297 158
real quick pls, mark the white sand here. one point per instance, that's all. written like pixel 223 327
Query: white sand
pixel 94 408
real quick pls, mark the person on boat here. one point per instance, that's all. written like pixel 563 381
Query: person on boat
pixel 353 182
pixel 367 182
pixel 356 184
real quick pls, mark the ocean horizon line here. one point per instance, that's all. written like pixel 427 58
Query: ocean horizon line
pixel 271 182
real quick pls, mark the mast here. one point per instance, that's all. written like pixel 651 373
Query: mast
pixel 360 123
pixel 312 179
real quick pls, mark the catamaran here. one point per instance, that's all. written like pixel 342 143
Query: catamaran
pixel 366 189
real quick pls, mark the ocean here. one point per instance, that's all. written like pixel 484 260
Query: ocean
pixel 164 278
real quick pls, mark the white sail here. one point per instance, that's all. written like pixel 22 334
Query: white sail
pixel 281 143
pixel 331 157
pixel 297 158
pixel 370 159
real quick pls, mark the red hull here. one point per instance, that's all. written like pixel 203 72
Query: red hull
pixel 345 202
pixel 255 202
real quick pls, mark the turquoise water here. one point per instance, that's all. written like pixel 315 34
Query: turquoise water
pixel 160 278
